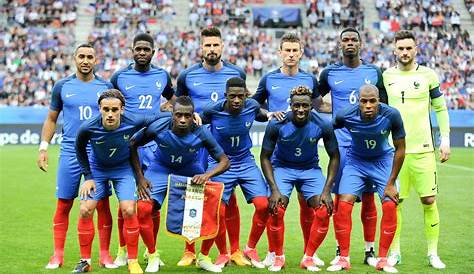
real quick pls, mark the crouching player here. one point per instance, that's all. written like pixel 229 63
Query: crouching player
pixel 108 134
pixel 293 142
pixel 179 141
pixel 371 160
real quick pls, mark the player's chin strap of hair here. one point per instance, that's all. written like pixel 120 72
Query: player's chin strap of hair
pixel 43 145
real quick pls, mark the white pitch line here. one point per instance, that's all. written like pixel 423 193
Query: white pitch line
pixel 456 167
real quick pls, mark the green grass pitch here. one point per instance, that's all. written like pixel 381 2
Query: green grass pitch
pixel 27 203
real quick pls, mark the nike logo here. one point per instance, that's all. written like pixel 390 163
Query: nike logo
pixel 388 232
pixel 390 84
pixel 126 137
pixel 129 87
pixel 158 84
pixel 99 142
pixel 338 82
pixel 220 128
pixel 248 124
pixel 367 81
pixel 353 130
pixel 275 87
pixel 285 140
pixel 70 95
pixel 99 93
pixel 383 132
pixel 161 145
pixel 197 84
pixel 313 140
pixel 433 225
pixel 192 150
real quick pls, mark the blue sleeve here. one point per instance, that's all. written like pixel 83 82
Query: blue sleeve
pixel 82 139
pixel 168 91
pixel 271 136
pixel 206 113
pixel 329 138
pixel 149 131
pixel 435 93
pixel 315 93
pixel 382 91
pixel 210 143
pixel 56 101
pixel 114 79
pixel 324 87
pixel 181 88
pixel 398 131
pixel 338 120
pixel 261 94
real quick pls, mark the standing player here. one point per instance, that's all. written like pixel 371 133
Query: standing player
pixel 205 82
pixel 413 89
pixel 142 85
pixel 370 161
pixel 343 81
pixel 179 142
pixel 274 89
pixel 289 158
pixel 108 135
pixel 76 97
pixel 231 120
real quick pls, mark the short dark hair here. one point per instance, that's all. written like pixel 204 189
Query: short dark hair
pixel 289 37
pixel 144 37
pixel 184 101
pixel 404 34
pixel 112 93
pixel 211 32
pixel 301 91
pixel 350 30
pixel 84 45
pixel 235 82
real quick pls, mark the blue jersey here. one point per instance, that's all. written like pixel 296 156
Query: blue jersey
pixel 110 149
pixel 344 82
pixel 297 147
pixel 232 131
pixel 178 152
pixel 78 102
pixel 370 138
pixel 205 86
pixel 275 88
pixel 143 90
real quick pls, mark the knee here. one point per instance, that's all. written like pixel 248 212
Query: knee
pixel 86 211
pixel 428 200
pixel 144 209
pixel 261 204
pixel 128 211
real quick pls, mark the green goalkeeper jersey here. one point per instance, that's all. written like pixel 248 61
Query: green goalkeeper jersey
pixel 413 93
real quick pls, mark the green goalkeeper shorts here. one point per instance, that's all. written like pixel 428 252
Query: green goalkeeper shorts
pixel 418 171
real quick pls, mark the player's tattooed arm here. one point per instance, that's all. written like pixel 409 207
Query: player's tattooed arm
pixel 398 157
pixel 330 144
pixel 49 126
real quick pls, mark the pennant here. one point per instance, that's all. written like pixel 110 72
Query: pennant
pixel 192 211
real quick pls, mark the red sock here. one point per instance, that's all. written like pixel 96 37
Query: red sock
pixel 277 231
pixel 306 219
pixel 191 247
pixel 259 220
pixel 132 232
pixel 334 211
pixel 343 226
pixel 60 225
pixel 207 244
pixel 271 247
pixel 388 226
pixel 120 228
pixel 368 215
pixel 319 230
pixel 144 213
pixel 104 225
pixel 156 223
pixel 85 230
pixel 232 223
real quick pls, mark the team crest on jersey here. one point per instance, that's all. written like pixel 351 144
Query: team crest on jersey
pixel 126 137
pixel 416 85
pixel 313 140
pixel 367 81
pixel 248 124
pixel 158 84
pixel 383 131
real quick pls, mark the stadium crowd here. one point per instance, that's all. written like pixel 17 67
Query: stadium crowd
pixel 32 57
pixel 334 13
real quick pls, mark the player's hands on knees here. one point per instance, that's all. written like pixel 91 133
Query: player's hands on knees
pixel 42 161
pixel 279 115
pixel 326 199
pixel 88 189
pixel 197 119
pixel 144 187
pixel 274 201
pixel 200 179
pixel 391 192
pixel 444 150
